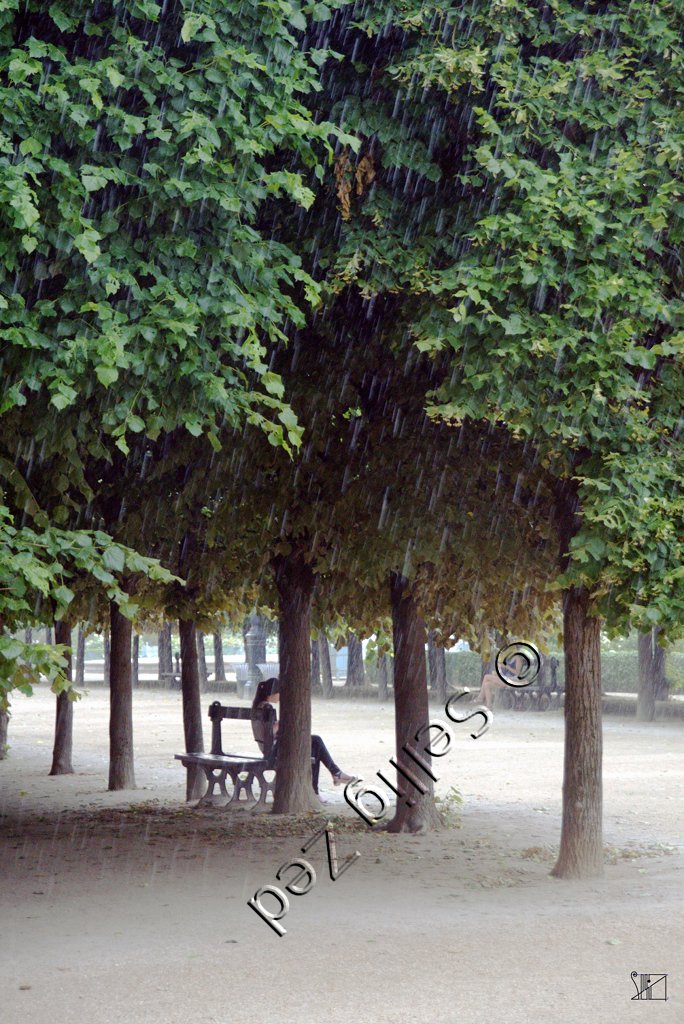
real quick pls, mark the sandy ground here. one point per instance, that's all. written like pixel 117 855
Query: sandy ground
pixel 132 907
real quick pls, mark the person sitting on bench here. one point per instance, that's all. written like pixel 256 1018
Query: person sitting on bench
pixel 492 682
pixel 267 692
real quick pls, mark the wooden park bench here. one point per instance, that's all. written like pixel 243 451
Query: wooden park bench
pixel 543 694
pixel 243 769
pixel 536 698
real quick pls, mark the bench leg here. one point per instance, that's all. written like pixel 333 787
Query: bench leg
pixel 265 787
pixel 215 777
pixel 240 786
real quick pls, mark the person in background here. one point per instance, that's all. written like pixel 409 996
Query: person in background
pixel 492 682
pixel 267 692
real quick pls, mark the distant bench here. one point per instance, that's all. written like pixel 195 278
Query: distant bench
pixel 536 698
pixel 217 765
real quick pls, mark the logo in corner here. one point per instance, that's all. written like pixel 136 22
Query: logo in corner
pixel 649 986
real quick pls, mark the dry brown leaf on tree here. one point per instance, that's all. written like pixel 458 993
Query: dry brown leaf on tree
pixel 344 186
pixel 365 174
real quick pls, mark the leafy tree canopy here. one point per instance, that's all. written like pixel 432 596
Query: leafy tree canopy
pixel 138 143
pixel 518 185
pixel 38 570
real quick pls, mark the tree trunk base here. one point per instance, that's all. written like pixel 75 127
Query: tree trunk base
pixel 581 845
pixel 195 784
pixel 568 868
pixel 304 804
pixel 416 820
pixel 190 642
pixel 294 580
pixel 121 769
pixel 416 811
pixel 64 711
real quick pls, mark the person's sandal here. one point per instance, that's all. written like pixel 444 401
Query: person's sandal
pixel 342 777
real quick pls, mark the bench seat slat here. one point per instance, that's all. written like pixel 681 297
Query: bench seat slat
pixel 219 759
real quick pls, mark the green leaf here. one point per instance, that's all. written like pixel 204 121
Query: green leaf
pixel 147 9
pixel 63 595
pixel 86 243
pixel 193 426
pixel 596 547
pixel 298 21
pixel 273 384
pixel 114 559
pixel 106 375
pixel 641 357
pixel 60 401
pixel 30 147
pixel 115 76
pixel 514 325
pixel 93 182
pixel 288 418
pixel 62 20
pixel 191 26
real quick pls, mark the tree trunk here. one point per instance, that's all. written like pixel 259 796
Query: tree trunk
pixel 355 673
pixel 486 664
pixel 383 676
pixel 4 722
pixel 415 810
pixel 431 659
pixel 662 686
pixel 165 653
pixel 136 658
pixel 219 666
pixel 201 662
pixel 294 580
pixel 28 635
pixel 121 771
pixel 581 846
pixel 79 675
pixel 326 667
pixel 107 647
pixel 64 711
pixel 4 713
pixel 192 708
pixel 651 675
pixel 315 667
pixel 437 668
pixel 48 635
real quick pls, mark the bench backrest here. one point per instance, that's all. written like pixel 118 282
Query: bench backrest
pixel 262 721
